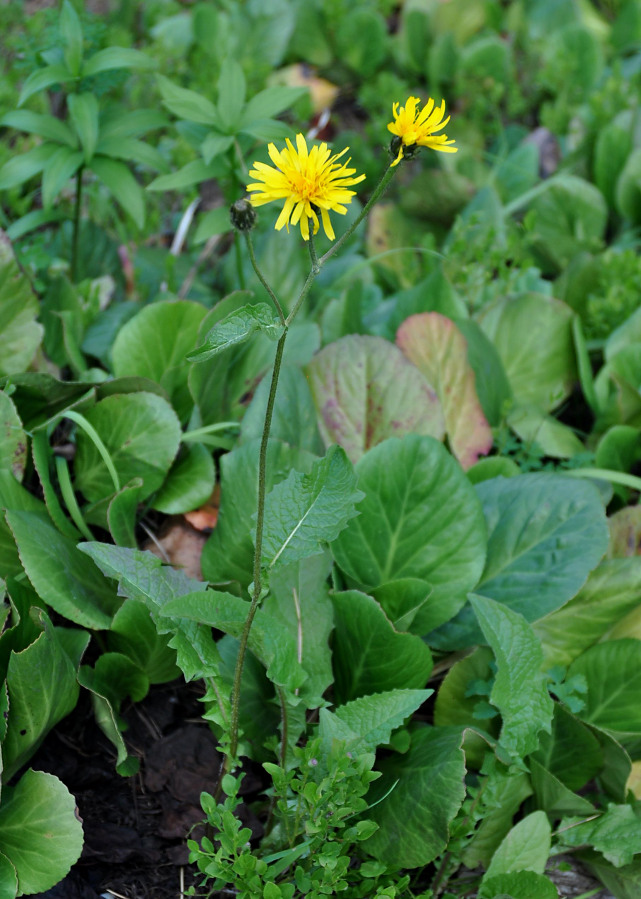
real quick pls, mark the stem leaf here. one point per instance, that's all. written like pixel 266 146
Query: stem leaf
pixel 306 510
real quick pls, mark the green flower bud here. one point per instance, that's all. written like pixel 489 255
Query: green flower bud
pixel 242 215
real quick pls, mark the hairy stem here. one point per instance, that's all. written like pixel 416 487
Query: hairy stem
pixel 260 522
pixel 261 278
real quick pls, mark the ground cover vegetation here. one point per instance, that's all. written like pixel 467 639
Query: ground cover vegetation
pixel 404 382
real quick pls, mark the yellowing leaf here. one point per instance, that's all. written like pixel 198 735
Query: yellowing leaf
pixel 438 349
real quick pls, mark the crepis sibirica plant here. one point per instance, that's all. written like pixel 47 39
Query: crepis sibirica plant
pixel 317 811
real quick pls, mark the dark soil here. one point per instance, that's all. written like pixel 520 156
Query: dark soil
pixel 136 827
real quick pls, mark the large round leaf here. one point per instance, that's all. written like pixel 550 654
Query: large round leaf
pixel 533 336
pixel 40 832
pixel 420 519
pixel 365 391
pixel 546 533
pixel 155 344
pixel 613 674
pixel 141 433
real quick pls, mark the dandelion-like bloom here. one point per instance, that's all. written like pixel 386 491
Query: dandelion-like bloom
pixel 414 127
pixel 310 182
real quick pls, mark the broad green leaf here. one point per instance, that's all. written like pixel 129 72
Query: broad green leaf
pixel 71 32
pixel 190 482
pixel 610 593
pixel 70 584
pixel 42 689
pixel 294 417
pixel 42 124
pixel 268 129
pixel 518 885
pixel 624 882
pixel 20 168
pixel 438 349
pixel 113 678
pixel 21 335
pixel 141 433
pixel 32 221
pixel 402 599
pixel 617 766
pixel 534 427
pixel 553 796
pixel 228 554
pixel 427 791
pixel 269 639
pixel 546 533
pixel 616 834
pixel 231 92
pixel 41 79
pixel 365 391
pixel 122 185
pixel 41 397
pixel 519 692
pixel 14 496
pixel 571 752
pixel 270 102
pixel 13 440
pixel 192 173
pixel 525 848
pixel 533 336
pixel 420 519
pixel 236 328
pixel 134 634
pixel 134 123
pixel 142 576
pixel 371 719
pixel 60 168
pixel 117 58
pixel 132 150
pixel 628 189
pixel 39 811
pixel 83 111
pixel 369 655
pixel 569 215
pixel 214 145
pixel 121 513
pixel 492 467
pixel 306 511
pixel 613 674
pixel 299 600
pixel 188 104
pixel 491 381
pixel 154 343
pixel 619 449
pixel 8 879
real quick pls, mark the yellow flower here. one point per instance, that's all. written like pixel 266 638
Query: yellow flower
pixel 417 128
pixel 310 182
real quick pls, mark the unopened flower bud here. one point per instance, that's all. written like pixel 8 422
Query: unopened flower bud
pixel 242 215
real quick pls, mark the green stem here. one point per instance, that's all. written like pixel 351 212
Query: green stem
pixel 379 190
pixel 76 226
pixel 239 262
pixel 313 274
pixel 261 278
pixel 260 522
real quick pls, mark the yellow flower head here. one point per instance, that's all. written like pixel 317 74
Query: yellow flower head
pixel 310 182
pixel 414 127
